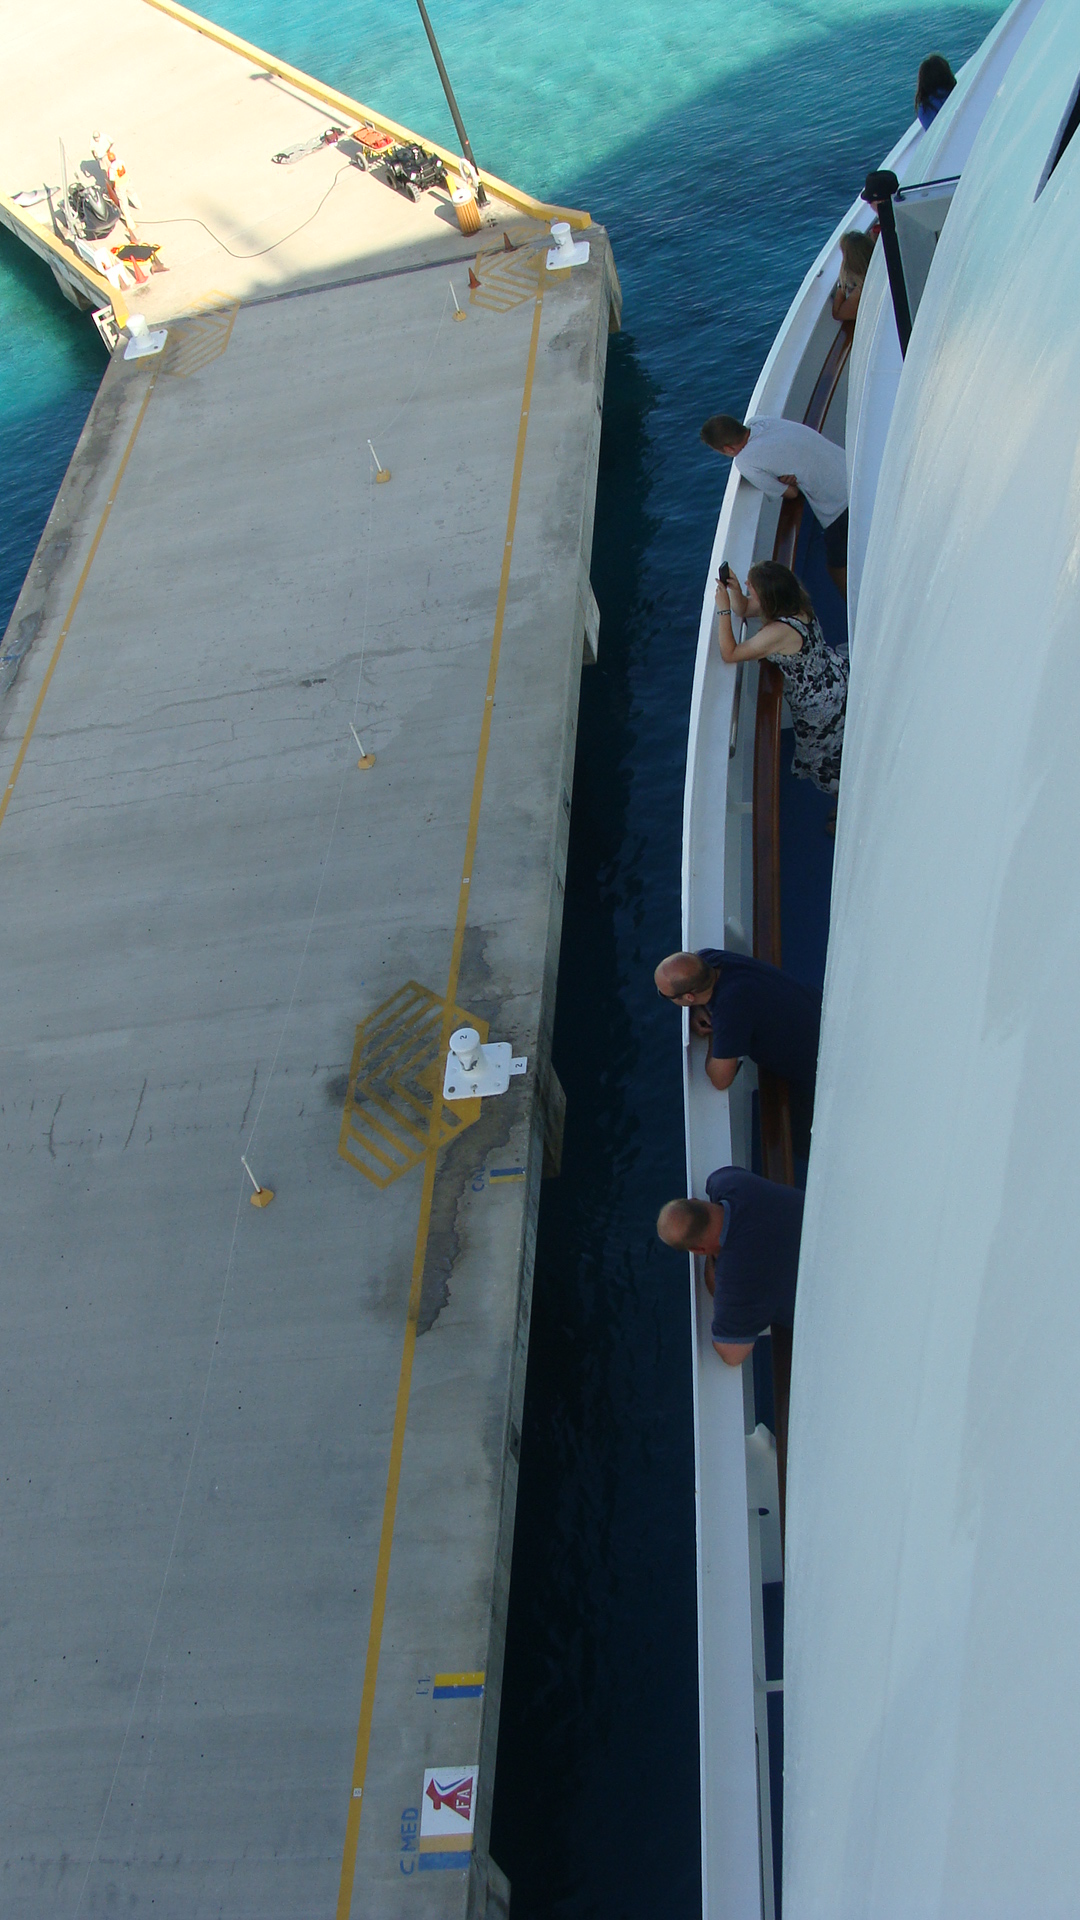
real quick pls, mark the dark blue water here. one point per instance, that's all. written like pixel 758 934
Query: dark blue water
pixel 719 143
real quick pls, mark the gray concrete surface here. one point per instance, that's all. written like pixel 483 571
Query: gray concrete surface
pixel 203 897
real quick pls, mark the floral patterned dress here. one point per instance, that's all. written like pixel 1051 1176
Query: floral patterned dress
pixel 816 684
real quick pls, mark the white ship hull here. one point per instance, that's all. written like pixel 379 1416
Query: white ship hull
pixel 738 1547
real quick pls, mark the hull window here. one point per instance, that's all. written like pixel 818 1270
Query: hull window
pixel 921 212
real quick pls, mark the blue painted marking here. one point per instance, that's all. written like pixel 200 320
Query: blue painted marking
pixel 410 1829
pixel 431 1862
pixel 457 1693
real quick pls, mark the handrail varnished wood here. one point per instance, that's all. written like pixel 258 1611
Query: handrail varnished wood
pixel 774 1100
pixel 829 378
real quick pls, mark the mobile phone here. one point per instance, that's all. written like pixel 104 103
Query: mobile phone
pixel 725 572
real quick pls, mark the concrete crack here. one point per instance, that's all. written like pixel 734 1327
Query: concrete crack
pixel 135 1116
pixel 250 1098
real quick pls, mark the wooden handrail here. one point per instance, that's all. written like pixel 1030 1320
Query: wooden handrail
pixel 774 1099
pixel 829 378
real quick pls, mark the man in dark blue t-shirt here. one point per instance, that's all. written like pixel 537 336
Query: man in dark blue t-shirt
pixel 745 1007
pixel 749 1231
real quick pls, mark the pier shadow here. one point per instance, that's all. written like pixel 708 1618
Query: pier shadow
pixel 601 1657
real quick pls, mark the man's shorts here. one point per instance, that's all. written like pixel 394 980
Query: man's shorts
pixel 836 541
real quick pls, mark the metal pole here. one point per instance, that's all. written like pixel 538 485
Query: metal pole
pixel 466 150
pixel 72 229
pixel 879 191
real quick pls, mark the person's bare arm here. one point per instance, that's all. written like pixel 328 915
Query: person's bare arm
pixel 791 485
pixel 730 606
pixel 736 595
pixel 731 1354
pixel 777 637
pixel 725 623
pixel 721 1072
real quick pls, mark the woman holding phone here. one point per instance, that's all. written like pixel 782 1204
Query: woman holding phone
pixel 815 675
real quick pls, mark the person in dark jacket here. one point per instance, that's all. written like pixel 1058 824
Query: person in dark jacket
pixel 749 1231
pixel 745 1009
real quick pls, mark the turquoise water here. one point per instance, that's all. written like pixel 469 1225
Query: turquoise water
pixel 548 92
pixel 719 143
pixel 557 96
pixel 51 361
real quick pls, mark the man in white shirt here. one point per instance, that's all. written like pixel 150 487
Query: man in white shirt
pixel 784 459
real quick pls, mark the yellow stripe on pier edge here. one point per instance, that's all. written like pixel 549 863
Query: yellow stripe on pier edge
pixel 342 103
pixel 397 1443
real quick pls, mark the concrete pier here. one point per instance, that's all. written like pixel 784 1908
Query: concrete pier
pixel 261 1460
pixel 196 117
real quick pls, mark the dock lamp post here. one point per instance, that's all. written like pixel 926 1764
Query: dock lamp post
pixel 879 191
pixel 466 150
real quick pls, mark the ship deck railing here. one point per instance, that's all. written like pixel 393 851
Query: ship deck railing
pixel 774 1098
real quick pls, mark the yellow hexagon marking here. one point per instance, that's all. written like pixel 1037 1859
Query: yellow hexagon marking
pixel 507 279
pixel 200 338
pixel 395 1078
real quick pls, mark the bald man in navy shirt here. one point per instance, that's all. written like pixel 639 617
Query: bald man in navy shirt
pixel 745 1008
pixel 749 1231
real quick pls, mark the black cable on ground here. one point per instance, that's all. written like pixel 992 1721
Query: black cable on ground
pixel 192 220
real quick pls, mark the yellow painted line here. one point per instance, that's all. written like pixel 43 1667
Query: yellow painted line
pixel 355 111
pixel 415 1035
pixel 459 1680
pixel 402 1122
pixel 397 1443
pixel 361 1144
pixel 198 339
pixel 392 1134
pixel 5 799
pixel 423 1113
